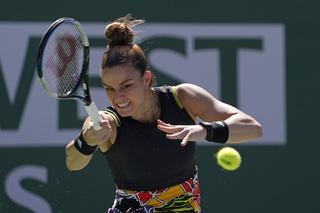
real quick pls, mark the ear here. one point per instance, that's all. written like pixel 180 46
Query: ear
pixel 147 77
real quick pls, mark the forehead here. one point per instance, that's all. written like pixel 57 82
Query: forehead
pixel 117 74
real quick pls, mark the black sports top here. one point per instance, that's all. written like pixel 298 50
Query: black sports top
pixel 142 158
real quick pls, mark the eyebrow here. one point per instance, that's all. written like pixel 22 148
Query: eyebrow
pixel 124 82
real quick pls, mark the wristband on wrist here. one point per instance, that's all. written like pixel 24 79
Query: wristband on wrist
pixel 81 145
pixel 217 132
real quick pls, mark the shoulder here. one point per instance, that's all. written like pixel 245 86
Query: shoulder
pixel 180 90
pixel 112 115
pixel 186 92
pixel 190 97
pixel 196 100
pixel 170 92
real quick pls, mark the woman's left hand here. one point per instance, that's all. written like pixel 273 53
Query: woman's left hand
pixel 185 133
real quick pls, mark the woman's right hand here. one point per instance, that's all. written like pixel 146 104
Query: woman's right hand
pixel 97 137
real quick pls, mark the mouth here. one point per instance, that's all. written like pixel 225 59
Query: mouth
pixel 123 105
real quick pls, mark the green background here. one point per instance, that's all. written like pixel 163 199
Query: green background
pixel 271 179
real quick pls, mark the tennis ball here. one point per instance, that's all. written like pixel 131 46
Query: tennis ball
pixel 228 158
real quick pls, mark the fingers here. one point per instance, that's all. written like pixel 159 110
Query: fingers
pixel 185 140
pixel 174 136
pixel 180 135
pixel 161 122
pixel 105 124
pixel 185 137
pixel 175 132
pixel 168 128
pixel 97 137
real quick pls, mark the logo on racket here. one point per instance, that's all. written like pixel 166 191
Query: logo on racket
pixel 64 58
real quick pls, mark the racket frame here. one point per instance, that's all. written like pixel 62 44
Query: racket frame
pixel 89 105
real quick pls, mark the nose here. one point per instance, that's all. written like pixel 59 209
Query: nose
pixel 117 95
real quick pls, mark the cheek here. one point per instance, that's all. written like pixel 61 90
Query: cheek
pixel 125 95
pixel 136 95
pixel 133 96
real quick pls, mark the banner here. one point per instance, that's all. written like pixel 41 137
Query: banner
pixel 241 64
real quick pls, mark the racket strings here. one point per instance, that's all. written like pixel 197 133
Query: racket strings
pixel 63 60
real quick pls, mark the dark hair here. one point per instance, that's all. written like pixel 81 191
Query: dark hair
pixel 120 48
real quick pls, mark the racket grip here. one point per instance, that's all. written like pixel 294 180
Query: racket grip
pixel 93 113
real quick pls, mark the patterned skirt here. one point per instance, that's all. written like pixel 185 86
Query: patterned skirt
pixel 184 197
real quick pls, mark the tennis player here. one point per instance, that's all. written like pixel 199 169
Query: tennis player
pixel 149 134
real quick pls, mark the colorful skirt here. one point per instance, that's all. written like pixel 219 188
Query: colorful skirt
pixel 184 197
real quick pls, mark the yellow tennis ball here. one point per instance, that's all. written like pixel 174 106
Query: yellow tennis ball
pixel 228 158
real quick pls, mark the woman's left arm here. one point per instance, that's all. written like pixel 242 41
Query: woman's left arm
pixel 200 103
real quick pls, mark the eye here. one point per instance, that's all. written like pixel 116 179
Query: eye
pixel 108 89
pixel 126 86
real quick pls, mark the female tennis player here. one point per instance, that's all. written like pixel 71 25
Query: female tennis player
pixel 149 134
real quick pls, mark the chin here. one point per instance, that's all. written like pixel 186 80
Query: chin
pixel 124 113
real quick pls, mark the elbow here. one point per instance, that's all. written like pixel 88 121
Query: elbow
pixel 68 160
pixel 72 163
pixel 70 166
pixel 256 127
pixel 258 130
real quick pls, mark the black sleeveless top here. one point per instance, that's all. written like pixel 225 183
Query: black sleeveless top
pixel 142 158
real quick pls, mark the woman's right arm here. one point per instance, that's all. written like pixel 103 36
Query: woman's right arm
pixel 103 138
pixel 74 159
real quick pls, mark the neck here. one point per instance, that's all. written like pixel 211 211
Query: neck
pixel 151 110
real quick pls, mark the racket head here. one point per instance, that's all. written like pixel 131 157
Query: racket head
pixel 63 59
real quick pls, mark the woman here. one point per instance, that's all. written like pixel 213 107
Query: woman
pixel 148 135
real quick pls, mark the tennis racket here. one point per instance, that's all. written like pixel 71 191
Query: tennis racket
pixel 63 62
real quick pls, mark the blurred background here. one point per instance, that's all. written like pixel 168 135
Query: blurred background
pixel 261 56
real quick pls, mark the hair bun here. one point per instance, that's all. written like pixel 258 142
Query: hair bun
pixel 119 33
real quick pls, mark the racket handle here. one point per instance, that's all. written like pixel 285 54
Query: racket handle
pixel 93 112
